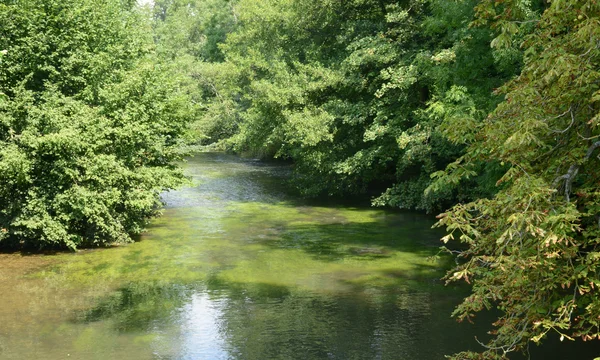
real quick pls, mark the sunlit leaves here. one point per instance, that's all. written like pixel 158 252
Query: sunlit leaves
pixel 540 230
pixel 89 125
pixel 381 93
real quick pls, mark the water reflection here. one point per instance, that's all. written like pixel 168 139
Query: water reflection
pixel 230 321
pixel 238 269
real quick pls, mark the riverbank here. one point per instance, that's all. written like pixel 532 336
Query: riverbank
pixel 239 269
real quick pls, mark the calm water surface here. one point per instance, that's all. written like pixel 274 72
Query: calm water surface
pixel 236 269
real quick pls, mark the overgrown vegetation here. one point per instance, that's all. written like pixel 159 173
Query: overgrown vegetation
pixel 533 248
pixel 89 123
pixel 361 95
pixel 487 108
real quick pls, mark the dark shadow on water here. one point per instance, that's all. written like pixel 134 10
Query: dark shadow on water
pixel 256 292
pixel 135 307
pixel 359 241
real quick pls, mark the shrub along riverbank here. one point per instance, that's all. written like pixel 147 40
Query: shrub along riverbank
pixel 89 123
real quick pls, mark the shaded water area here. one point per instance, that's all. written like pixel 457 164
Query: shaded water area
pixel 237 269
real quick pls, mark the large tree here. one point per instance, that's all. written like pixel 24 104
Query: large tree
pixel 533 248
pixel 357 93
pixel 89 123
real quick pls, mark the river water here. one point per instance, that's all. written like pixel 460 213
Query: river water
pixel 238 269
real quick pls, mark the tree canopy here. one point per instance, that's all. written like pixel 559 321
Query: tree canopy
pixel 533 247
pixel 485 111
pixel 360 95
pixel 89 123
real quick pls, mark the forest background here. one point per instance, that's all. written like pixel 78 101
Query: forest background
pixel 485 112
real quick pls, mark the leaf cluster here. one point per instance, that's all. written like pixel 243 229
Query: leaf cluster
pixel 533 247
pixel 90 122
pixel 364 97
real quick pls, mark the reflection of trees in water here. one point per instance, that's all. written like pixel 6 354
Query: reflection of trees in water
pixel 139 307
pixel 150 310
pixel 264 321
pixel 271 322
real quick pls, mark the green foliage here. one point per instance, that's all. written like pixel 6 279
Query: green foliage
pixel 365 97
pixel 362 96
pixel 380 97
pixel 533 249
pixel 193 27
pixel 187 35
pixel 89 124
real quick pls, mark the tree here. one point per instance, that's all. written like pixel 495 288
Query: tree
pixel 89 125
pixel 364 96
pixel 533 248
pixel 188 35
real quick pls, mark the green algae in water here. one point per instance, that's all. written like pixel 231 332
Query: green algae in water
pixel 236 269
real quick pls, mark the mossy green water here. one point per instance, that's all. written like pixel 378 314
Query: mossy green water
pixel 269 242
pixel 237 269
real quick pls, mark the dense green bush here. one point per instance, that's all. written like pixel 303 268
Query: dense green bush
pixel 89 123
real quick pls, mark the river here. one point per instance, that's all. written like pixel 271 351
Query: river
pixel 236 268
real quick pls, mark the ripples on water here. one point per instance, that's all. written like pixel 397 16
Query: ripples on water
pixel 237 269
